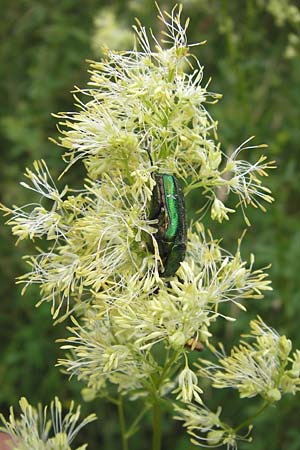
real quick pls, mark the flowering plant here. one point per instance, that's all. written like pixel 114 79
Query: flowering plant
pixel 134 329
pixel 32 430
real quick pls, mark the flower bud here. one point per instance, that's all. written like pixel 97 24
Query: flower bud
pixel 88 394
pixel 177 339
pixel 215 437
pixel 287 383
pixel 285 347
pixel 273 395
pixel 219 211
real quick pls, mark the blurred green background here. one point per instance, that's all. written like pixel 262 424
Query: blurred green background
pixel 253 57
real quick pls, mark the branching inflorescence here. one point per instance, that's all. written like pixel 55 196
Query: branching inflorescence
pixel 144 113
pixel 36 430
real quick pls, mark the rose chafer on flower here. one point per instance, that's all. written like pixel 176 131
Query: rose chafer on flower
pixel 107 262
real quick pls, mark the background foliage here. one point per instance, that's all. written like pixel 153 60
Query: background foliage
pixel 253 56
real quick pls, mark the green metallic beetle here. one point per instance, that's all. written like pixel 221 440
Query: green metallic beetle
pixel 168 207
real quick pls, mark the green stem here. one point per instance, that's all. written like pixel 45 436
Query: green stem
pixel 168 365
pixel 250 419
pixel 133 427
pixel 156 426
pixel 112 400
pixel 157 413
pixel 122 423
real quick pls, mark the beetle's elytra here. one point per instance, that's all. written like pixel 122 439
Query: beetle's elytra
pixel 168 207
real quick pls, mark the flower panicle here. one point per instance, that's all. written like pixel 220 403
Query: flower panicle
pixel 142 115
pixel 99 355
pixel 34 220
pixel 206 428
pixel 35 430
pixel 42 182
pixel 246 178
pixel 261 367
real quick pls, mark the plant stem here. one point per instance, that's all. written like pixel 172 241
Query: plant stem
pixel 122 423
pixel 168 365
pixel 156 426
pixel 250 419
pixel 133 427
pixel 156 411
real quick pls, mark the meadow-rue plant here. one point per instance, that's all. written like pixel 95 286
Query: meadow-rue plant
pixel 140 303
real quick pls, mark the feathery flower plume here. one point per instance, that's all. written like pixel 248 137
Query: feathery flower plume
pixel 262 367
pixel 206 427
pixel 34 430
pixel 143 115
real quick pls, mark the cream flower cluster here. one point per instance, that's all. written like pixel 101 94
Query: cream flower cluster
pixel 142 114
pixel 206 427
pixel 260 366
pixel 34 430
pixel 264 367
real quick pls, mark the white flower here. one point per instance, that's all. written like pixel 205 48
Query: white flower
pixel 188 388
pixel 142 115
pixel 246 178
pixel 258 368
pixel 98 356
pixel 206 427
pixel 105 236
pixel 33 430
pixel 219 211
